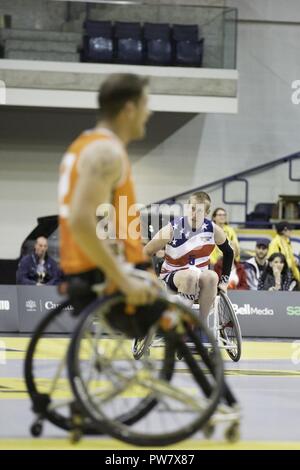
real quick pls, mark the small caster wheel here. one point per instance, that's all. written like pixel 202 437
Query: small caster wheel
pixel 208 430
pixel 36 429
pixel 75 436
pixel 232 434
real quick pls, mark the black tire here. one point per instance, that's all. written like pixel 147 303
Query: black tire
pixel 128 417
pixel 41 401
pixel 173 342
pixel 36 429
pixel 208 359
pixel 229 326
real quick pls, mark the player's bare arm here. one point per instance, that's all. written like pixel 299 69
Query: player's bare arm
pixel 100 170
pixel 159 241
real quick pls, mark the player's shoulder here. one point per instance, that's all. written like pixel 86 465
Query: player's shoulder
pixel 173 226
pixel 208 225
pixel 104 148
pixel 102 153
pixel 177 223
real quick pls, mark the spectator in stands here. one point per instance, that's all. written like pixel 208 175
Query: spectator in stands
pixel 255 266
pixel 219 217
pixel 238 277
pixel 281 243
pixel 276 276
pixel 38 268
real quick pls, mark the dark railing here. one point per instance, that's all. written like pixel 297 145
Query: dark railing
pixel 242 177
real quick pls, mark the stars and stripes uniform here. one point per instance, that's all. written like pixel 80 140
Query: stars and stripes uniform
pixel 188 247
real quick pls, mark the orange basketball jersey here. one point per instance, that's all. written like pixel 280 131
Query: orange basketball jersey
pixel 73 259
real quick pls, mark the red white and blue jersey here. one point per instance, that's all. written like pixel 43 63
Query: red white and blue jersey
pixel 188 247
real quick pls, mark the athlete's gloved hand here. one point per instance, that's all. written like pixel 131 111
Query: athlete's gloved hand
pixel 223 287
pixel 140 291
pixel 223 284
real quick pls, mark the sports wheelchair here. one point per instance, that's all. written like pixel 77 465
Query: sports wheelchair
pixel 97 387
pixel 223 323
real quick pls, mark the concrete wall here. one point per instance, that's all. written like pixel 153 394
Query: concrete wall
pixel 267 10
pixel 53 15
pixel 27 190
pixel 169 161
pixel 35 14
pixel 203 149
pixel 266 127
pixel 32 144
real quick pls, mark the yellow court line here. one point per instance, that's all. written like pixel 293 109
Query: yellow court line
pixel 241 372
pixel 263 350
pixel 251 350
pixel 112 444
pixel 263 373
pixel 13 388
pixel 15 342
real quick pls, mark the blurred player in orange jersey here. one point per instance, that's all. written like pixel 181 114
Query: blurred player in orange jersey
pixel 94 171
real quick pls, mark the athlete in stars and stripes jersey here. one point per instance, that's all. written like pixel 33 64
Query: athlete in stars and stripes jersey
pixel 188 243
pixel 188 247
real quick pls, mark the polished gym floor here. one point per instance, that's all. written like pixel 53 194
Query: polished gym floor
pixel 266 382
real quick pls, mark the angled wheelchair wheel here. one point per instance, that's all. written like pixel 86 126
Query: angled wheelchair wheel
pixel 230 331
pixel 149 402
pixel 46 378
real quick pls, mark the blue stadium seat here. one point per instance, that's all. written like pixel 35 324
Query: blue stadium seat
pixel 186 32
pixel 98 45
pixel 189 53
pixel 158 43
pixel 98 28
pixel 260 217
pixel 188 47
pixel 130 47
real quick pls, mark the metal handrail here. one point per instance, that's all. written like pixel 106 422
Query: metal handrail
pixel 241 176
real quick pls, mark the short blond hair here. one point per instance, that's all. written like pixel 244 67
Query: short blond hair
pixel 202 198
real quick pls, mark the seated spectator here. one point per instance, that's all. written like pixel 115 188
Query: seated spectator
pixel 238 277
pixel 276 276
pixel 254 266
pixel 281 243
pixel 219 217
pixel 38 268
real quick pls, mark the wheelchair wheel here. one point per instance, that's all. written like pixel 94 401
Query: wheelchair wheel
pixel 46 378
pixel 141 346
pixel 230 331
pixel 147 402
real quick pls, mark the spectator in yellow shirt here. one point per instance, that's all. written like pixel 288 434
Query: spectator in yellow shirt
pixel 219 217
pixel 281 243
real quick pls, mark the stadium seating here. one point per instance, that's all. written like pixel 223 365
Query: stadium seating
pixel 129 43
pixel 158 43
pixel 188 47
pixel 261 215
pixel 98 45
pixel 150 44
